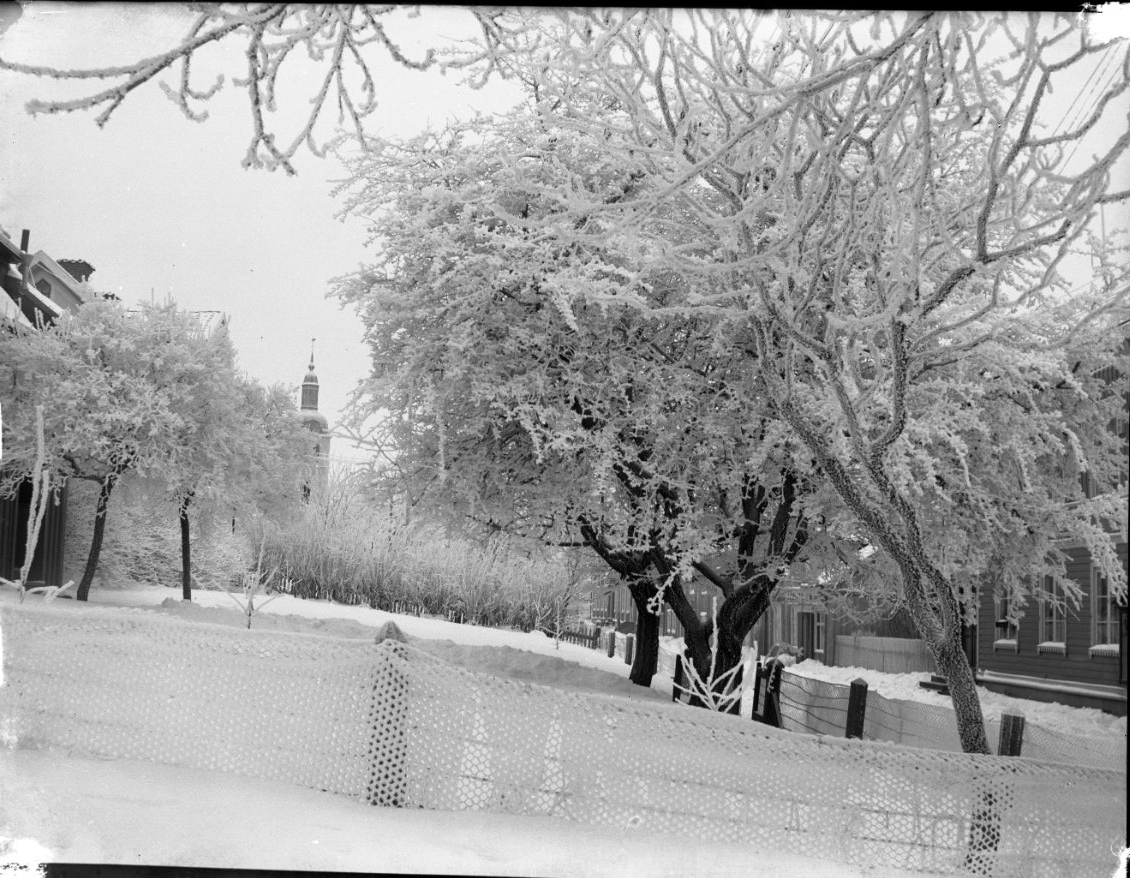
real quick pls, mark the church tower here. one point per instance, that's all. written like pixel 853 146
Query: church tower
pixel 314 420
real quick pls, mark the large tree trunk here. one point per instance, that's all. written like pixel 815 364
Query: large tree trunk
pixel 935 610
pixel 645 661
pixel 745 603
pixel 185 551
pixel 953 664
pixel 96 540
pixel 737 615
pixel 939 624
pixel 696 636
pixel 736 618
pixel 633 569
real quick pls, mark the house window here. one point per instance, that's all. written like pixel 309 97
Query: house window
pixel 1104 617
pixel 1007 635
pixel 1124 650
pixel 1053 620
pixel 44 288
pixel 810 627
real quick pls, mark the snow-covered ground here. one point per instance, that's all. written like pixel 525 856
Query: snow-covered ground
pixel 58 807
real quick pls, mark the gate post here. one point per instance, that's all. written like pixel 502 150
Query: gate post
pixel 857 708
pixel 1012 734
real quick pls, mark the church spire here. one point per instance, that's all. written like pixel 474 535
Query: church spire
pixel 314 420
pixel 310 385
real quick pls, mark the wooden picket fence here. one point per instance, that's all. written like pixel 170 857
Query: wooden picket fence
pixel 581 638
pixel 603 639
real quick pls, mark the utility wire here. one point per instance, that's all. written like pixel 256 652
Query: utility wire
pixel 1092 102
pixel 1062 124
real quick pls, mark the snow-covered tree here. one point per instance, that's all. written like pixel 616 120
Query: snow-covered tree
pixel 274 460
pixel 243 449
pixel 116 388
pixel 880 217
pixel 883 216
pixel 334 46
pixel 512 402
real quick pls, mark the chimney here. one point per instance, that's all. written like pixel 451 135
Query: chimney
pixel 79 269
pixel 25 262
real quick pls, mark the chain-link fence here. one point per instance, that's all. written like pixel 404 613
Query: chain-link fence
pixel 394 726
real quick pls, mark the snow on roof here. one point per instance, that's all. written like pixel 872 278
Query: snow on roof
pixel 41 302
pixel 210 320
pixel 8 246
pixel 60 273
pixel 9 310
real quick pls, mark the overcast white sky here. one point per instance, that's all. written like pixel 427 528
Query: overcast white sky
pixel 160 205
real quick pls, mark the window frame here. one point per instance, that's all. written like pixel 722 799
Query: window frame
pixel 1049 643
pixel 1104 642
pixel 1010 642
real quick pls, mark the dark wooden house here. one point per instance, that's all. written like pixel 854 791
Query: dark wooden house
pixel 36 290
pixel 1071 655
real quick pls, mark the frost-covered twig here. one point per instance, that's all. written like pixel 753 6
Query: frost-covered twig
pixel 706 691
pixel 50 592
pixel 718 692
pixel 344 40
pixel 252 582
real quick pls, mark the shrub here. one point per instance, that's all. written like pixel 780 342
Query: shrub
pixel 344 549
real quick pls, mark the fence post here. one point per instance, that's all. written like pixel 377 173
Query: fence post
pixel 857 708
pixel 1012 734
pixel 629 644
pixel 611 642
pixel 756 686
pixel 772 698
pixel 678 681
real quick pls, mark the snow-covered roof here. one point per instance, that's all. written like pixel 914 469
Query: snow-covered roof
pixel 9 310
pixel 59 273
pixel 41 302
pixel 8 248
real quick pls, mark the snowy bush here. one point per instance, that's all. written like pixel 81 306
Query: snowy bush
pixel 344 549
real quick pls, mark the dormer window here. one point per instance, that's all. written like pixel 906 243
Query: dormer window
pixel 44 288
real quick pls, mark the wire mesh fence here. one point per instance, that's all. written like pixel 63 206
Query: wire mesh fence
pixel 820 707
pixel 394 726
pixel 813 706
